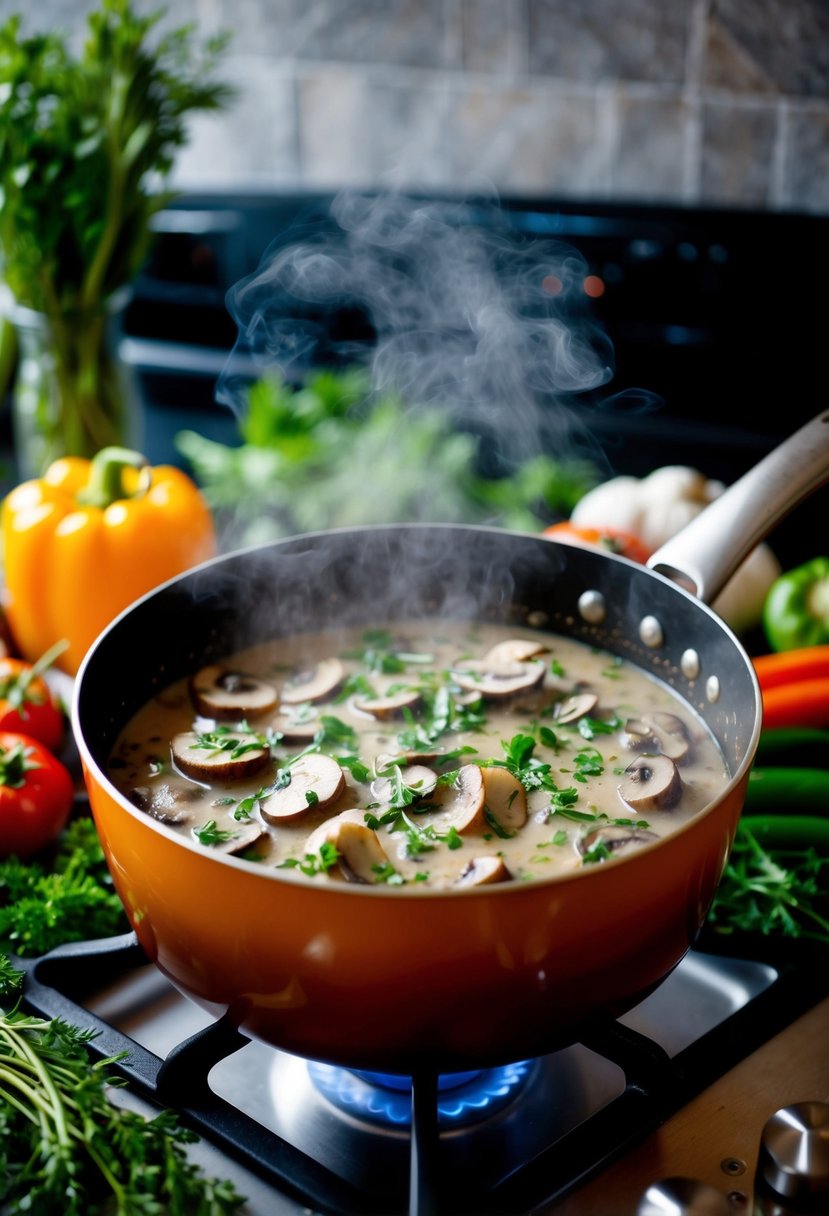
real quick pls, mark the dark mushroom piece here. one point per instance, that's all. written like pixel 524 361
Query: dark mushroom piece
pixel 361 855
pixel 575 707
pixel 650 783
pixel 497 681
pixel 415 777
pixel 387 706
pixel 221 763
pixel 505 798
pixel 312 782
pixel 315 684
pixel 661 730
pixel 166 802
pixel 481 871
pixel 615 837
pixel 220 693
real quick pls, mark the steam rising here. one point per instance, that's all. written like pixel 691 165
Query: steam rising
pixel 466 316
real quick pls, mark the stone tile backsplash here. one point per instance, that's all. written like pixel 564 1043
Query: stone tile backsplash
pixel 713 102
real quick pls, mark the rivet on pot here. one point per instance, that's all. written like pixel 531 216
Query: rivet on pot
pixel 593 607
pixel 690 664
pixel 712 689
pixel 650 631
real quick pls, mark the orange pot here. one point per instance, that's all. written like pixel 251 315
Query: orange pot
pixel 380 978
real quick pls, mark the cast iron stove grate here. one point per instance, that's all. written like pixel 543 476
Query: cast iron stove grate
pixel 655 1084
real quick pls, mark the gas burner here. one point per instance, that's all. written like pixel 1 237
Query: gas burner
pixel 383 1098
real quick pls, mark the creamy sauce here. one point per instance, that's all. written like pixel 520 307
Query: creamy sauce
pixel 434 756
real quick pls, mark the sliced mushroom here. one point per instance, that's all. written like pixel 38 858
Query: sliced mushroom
pixel 312 782
pixel 575 707
pixel 505 797
pixel 481 871
pixel 218 764
pixel 247 836
pixel 515 650
pixel 166 802
pixel 317 683
pixel 295 729
pixel 220 693
pixel 661 730
pixel 388 706
pixel 615 838
pixel 651 783
pixel 416 777
pixel 359 848
pixel 463 800
pixel 495 681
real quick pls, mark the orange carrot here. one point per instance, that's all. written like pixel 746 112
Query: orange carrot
pixel 797 703
pixel 787 666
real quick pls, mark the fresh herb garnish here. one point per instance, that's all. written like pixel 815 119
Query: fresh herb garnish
pixel 313 863
pixel 211 833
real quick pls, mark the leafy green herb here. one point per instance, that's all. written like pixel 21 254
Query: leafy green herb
pixel 313 863
pixel 66 1150
pixel 589 727
pixel 69 899
pixel 211 833
pixel 312 797
pixel 596 853
pixel 335 733
pixel 780 891
pixel 226 739
pixel 386 873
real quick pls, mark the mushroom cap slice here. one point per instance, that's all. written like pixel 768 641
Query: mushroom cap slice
pixel 416 777
pixel 463 801
pixel 575 707
pixel 359 848
pixel 205 763
pixel 248 835
pixel 218 692
pixel 481 871
pixel 515 650
pixel 661 730
pixel 389 705
pixel 650 783
pixel 495 681
pixel 615 837
pixel 505 797
pixel 312 782
pixel 296 729
pixel 316 683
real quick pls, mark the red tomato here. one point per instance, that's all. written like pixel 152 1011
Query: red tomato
pixel 36 793
pixel 27 705
pixel 611 540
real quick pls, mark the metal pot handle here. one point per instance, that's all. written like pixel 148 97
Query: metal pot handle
pixel 704 555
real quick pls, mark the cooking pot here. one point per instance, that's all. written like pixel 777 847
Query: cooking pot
pixel 384 978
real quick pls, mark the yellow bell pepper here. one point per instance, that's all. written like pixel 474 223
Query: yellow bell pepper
pixel 89 537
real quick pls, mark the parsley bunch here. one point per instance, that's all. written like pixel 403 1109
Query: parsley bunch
pixel 84 143
pixel 70 900
pixel 66 1150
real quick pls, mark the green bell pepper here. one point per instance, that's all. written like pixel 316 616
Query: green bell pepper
pixel 796 608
